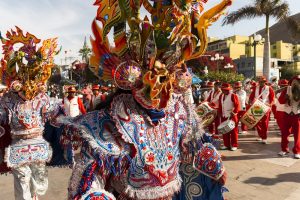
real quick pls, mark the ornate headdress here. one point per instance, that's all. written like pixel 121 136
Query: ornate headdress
pixel 148 56
pixel 26 66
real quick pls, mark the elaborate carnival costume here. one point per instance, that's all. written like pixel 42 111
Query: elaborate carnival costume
pixel 133 148
pixel 24 108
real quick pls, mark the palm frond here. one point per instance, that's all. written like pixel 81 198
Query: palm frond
pixel 275 2
pixel 247 12
pixel 281 11
pixel 258 2
pixel 264 6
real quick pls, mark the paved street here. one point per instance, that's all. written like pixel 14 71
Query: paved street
pixel 255 173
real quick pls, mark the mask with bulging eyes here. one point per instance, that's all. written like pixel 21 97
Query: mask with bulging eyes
pixel 157 87
pixel 160 82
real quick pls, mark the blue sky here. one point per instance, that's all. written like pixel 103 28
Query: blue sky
pixel 70 20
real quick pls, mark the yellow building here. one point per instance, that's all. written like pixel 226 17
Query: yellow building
pixel 282 50
pixel 233 46
pixel 237 47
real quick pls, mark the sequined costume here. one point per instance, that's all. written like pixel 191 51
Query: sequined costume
pixel 124 150
pixel 24 109
pixel 28 151
pixel 133 148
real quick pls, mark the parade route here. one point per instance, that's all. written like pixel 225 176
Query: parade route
pixel 255 172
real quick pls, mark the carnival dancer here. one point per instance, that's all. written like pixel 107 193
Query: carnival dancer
pixel 229 108
pixel 266 95
pixel 132 148
pixel 72 104
pixel 291 124
pixel 213 98
pixel 242 100
pixel 25 108
pixel 97 97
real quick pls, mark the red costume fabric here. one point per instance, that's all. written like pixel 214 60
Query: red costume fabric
pixel 290 125
pixel 278 111
pixel 263 124
pixel 231 138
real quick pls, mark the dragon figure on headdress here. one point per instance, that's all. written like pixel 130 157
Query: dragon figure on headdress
pixel 29 65
pixel 157 49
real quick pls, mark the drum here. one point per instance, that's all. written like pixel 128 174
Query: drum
pixel 226 127
pixel 206 113
pixel 255 113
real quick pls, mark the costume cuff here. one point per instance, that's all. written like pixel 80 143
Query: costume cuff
pixel 208 162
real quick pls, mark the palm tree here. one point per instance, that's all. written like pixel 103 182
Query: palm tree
pixel 85 51
pixel 262 8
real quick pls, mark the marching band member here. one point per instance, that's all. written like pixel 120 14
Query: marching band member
pixel 229 108
pixel 97 97
pixel 73 105
pixel 87 96
pixel 278 108
pixel 209 87
pixel 242 100
pixel 214 97
pixel 291 124
pixel 266 95
pixel 248 88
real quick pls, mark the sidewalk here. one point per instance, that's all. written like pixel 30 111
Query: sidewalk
pixel 255 172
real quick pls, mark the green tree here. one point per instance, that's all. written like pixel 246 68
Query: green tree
pixel 277 9
pixel 288 72
pixel 228 77
pixel 85 52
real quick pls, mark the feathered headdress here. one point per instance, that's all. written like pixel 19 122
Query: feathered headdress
pixel 148 56
pixel 28 64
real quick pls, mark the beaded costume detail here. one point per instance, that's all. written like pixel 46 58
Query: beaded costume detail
pixel 144 157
